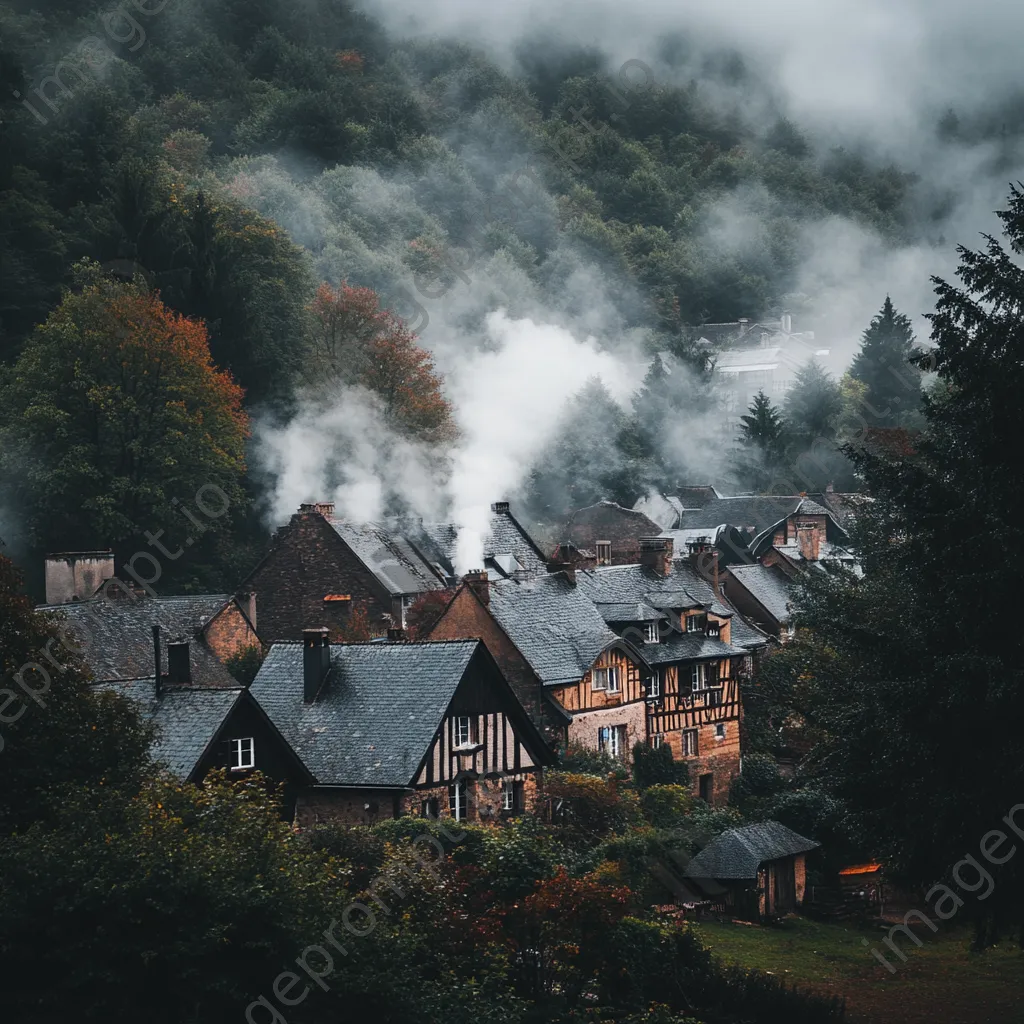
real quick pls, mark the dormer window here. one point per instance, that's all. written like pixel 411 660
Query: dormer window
pixel 693 623
pixel 714 629
pixel 606 679
pixel 652 634
pixel 604 552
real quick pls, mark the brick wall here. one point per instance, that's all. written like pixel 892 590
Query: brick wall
pixel 308 561
pixel 606 521
pixel 584 726
pixel 316 805
pixel 229 632
pixel 719 758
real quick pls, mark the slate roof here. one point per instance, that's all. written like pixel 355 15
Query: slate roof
pixel 678 646
pixel 757 512
pixel 554 624
pixel 506 536
pixel 377 713
pixel 844 507
pixel 769 586
pixel 390 556
pixel 633 611
pixel 117 635
pixel 187 719
pixel 738 853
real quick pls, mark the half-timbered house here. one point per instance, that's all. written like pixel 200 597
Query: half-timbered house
pixel 685 630
pixel 386 729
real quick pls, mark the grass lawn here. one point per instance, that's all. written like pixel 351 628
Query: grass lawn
pixel 940 982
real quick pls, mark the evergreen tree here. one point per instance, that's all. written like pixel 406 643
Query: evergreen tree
pixel 762 444
pixel 814 412
pixel 884 364
pixel 911 683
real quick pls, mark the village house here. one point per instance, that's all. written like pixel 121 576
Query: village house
pixel 354 577
pixel 666 509
pixel 580 682
pixel 113 633
pixel 390 728
pixel 806 535
pixel 763 594
pixel 699 650
pixel 757 872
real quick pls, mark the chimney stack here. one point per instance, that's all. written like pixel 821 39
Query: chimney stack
pixel 76 575
pixel 501 507
pixel 247 602
pixel 179 665
pixel 316 661
pixel 323 508
pixel 656 554
pixel 479 582
pixel 395 634
pixel 156 659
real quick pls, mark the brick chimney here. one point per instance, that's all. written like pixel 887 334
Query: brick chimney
pixel 323 508
pixel 316 661
pixel 808 538
pixel 656 554
pixel 479 582
pixel 703 556
pixel 501 507
pixel 179 665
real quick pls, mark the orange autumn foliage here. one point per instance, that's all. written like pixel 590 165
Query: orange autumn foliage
pixel 357 343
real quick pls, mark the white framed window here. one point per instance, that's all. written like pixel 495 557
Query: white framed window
pixel 605 679
pixel 720 731
pixel 692 623
pixel 511 795
pixel 464 731
pixel 654 684
pixel 652 635
pixel 604 552
pixel 457 800
pixel 243 754
pixel 698 677
pixel 657 740
pixel 689 743
pixel 612 740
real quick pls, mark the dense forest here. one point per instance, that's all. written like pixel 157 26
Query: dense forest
pixel 232 159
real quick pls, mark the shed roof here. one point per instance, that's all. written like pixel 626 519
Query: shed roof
pixel 739 852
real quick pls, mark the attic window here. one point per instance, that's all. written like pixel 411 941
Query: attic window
pixel 714 629
pixel 604 552
pixel 693 623
pixel 464 731
pixel 606 679
pixel 243 754
pixel 651 633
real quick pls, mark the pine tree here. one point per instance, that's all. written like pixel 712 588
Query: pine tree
pixel 885 365
pixel 912 679
pixel 762 444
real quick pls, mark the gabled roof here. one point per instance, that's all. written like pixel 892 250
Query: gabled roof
pixel 376 715
pixel 738 853
pixel 117 635
pixel 767 585
pixel 390 556
pixel 834 534
pixel 756 512
pixel 665 509
pixel 555 626
pixel 187 719
pixel 506 537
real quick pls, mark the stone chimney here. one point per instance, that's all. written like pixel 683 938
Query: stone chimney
pixel 656 554
pixel 501 507
pixel 179 665
pixel 316 662
pixel 479 582
pixel 76 575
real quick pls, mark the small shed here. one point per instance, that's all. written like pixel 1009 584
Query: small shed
pixel 758 871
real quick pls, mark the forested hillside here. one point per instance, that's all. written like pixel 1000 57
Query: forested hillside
pixel 238 156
